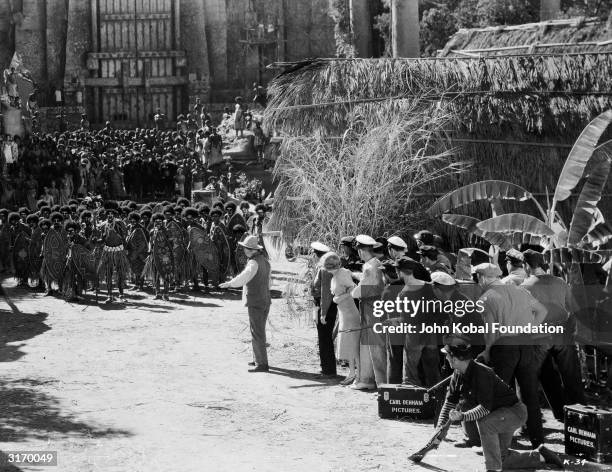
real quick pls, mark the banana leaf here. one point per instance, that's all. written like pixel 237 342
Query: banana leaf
pixel 567 255
pixel 600 234
pixel 469 224
pixel 516 223
pixel 579 156
pixel 483 190
pixel 586 212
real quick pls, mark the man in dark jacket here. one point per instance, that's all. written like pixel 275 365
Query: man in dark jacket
pixel 324 313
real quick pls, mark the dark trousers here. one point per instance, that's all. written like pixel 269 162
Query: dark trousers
pixel 326 340
pixel 395 364
pixel 559 372
pixel 258 315
pixel 518 363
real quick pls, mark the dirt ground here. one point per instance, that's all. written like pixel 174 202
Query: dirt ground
pixel 163 386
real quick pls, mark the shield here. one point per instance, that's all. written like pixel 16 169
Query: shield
pixel 34 250
pixel 137 247
pixel 176 234
pixel 223 248
pixel 204 251
pixel 162 253
pixel 54 255
pixel 121 228
pixel 21 255
pixel 83 261
pixel 241 258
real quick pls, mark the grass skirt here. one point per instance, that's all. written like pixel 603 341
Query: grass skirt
pixel 113 262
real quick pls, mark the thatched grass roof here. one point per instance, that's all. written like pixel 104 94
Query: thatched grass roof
pixel 550 95
pixel 514 118
pixel 577 35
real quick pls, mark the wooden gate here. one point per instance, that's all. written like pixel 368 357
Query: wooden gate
pixel 136 64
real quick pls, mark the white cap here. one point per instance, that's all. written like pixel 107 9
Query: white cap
pixel 365 240
pixel 442 278
pixel 319 247
pixel 397 241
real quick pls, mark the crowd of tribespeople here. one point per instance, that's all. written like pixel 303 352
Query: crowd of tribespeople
pixel 350 286
pixel 140 164
pixel 64 250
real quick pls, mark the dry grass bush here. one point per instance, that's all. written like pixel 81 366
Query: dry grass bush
pixel 363 182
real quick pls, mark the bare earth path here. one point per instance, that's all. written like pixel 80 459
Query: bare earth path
pixel 162 386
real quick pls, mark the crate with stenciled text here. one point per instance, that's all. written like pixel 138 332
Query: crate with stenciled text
pixel 588 432
pixel 400 401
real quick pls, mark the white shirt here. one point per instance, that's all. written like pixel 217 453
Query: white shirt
pixel 246 275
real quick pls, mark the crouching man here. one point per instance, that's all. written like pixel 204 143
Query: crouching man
pixel 493 405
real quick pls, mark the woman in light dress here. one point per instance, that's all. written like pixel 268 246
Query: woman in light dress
pixel 348 314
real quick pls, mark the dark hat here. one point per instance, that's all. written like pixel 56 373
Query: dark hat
pixel 169 209
pixel 146 212
pixel 216 211
pixel 132 205
pixel 204 208
pixel 86 214
pixel 44 222
pixel 64 208
pixel 426 237
pixel 245 204
pixel 134 216
pixel 72 225
pixel 381 244
pixel 41 203
pixel 157 217
pixel 56 215
pixel 190 212
pixel 32 219
pixel 4 212
pixel 347 240
pixel 13 217
pixel 24 210
pixel 111 205
pixel 457 346
pixel 533 258
pixel 229 205
pixel 261 207
pixel 182 201
pixel 73 202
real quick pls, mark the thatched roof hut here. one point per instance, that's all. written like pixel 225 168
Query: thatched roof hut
pixel 576 35
pixel 516 117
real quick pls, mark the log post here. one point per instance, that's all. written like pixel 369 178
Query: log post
pixel 361 27
pixel 405 28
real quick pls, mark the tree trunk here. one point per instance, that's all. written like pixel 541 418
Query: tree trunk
pixel 405 28
pixel 361 27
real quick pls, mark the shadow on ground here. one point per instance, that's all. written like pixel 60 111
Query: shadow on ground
pixel 16 326
pixel 30 414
